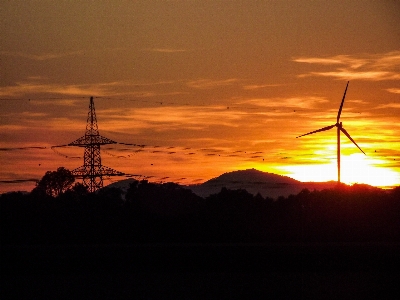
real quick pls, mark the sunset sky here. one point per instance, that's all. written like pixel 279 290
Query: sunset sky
pixel 208 86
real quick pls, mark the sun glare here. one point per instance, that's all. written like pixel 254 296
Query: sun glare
pixel 355 168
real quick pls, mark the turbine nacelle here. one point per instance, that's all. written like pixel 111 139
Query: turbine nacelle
pixel 340 127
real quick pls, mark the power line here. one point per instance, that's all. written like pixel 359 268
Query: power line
pixel 22 148
pixel 40 98
pixel 19 180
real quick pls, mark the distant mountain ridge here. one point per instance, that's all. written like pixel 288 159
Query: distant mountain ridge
pixel 253 176
pixel 254 181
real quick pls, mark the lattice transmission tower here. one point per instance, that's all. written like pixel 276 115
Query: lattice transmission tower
pixel 92 171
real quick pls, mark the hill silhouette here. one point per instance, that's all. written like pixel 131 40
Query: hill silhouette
pixel 254 176
pixel 255 181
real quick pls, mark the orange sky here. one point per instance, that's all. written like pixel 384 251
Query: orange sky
pixel 234 81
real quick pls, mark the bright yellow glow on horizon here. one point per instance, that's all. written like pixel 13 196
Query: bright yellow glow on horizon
pixel 355 168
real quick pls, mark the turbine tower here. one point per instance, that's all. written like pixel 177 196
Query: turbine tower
pixel 92 171
pixel 340 128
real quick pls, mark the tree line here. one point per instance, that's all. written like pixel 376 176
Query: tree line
pixel 59 211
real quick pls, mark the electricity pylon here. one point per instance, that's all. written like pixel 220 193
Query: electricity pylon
pixel 92 171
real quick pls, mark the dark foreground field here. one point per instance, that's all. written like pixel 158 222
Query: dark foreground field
pixel 201 271
pixel 164 242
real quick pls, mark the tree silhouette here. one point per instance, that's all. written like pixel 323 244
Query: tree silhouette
pixel 152 212
pixel 54 183
pixel 80 189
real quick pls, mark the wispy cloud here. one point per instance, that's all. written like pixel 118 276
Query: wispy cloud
pixel 389 105
pixel 55 55
pixel 394 90
pixel 164 118
pixel 346 74
pixel 59 102
pixel 259 86
pixel 12 127
pixel 376 67
pixel 27 114
pixel 149 94
pixel 37 78
pixel 166 50
pixel 36 85
pixel 292 102
pixel 335 60
pixel 41 57
pixel 30 88
pixel 357 101
pixel 210 83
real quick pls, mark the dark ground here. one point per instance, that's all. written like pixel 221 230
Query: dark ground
pixel 164 242
pixel 201 271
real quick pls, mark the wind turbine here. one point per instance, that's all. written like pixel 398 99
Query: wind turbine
pixel 340 128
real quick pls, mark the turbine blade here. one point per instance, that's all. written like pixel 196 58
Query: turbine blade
pixel 348 135
pixel 341 104
pixel 319 130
